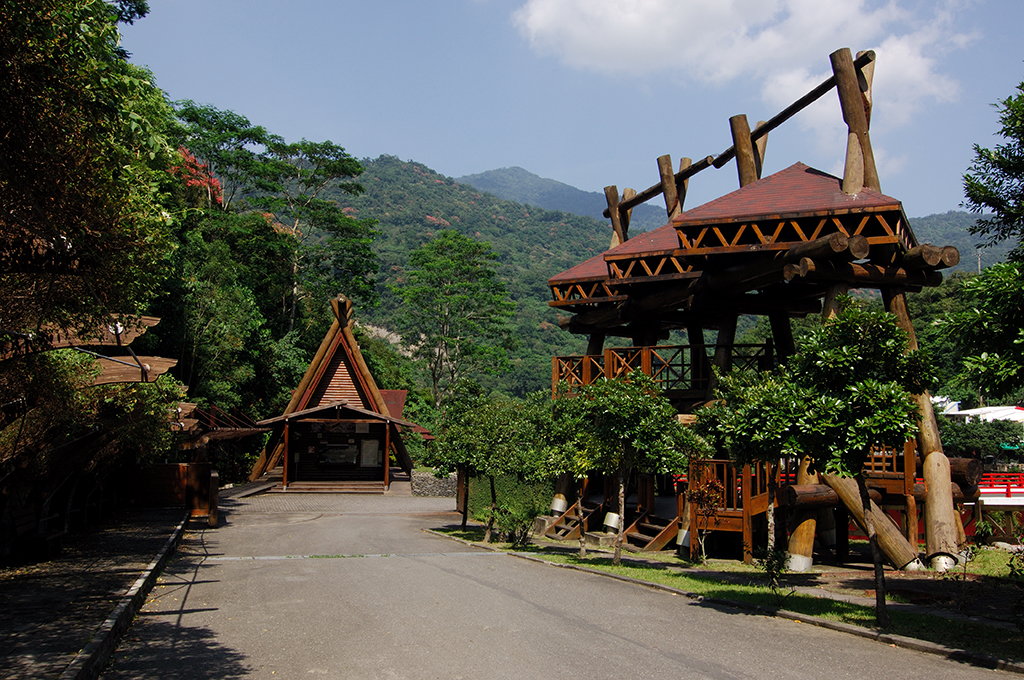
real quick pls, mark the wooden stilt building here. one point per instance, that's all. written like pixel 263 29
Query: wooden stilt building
pixel 781 246
pixel 337 432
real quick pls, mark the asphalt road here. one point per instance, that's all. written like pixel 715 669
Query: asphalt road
pixel 350 587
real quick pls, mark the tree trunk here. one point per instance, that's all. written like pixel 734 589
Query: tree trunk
pixel 583 529
pixel 465 499
pixel 622 518
pixel 490 515
pixel 770 512
pixel 881 612
pixel 295 293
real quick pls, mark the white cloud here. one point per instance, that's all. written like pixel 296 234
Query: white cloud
pixel 783 44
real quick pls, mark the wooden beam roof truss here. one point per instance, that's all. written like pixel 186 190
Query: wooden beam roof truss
pixel 753 237
pixel 583 292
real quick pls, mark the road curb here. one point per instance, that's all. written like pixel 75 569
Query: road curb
pixel 952 653
pixel 88 663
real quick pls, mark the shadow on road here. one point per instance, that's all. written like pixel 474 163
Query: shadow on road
pixel 172 652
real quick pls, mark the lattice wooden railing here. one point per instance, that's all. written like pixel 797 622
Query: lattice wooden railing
pixel 674 368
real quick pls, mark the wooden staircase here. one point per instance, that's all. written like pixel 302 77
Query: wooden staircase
pixel 361 486
pixel 569 523
pixel 650 533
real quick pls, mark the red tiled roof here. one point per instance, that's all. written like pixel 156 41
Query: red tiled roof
pixel 662 238
pixel 595 267
pixel 795 190
pixel 799 189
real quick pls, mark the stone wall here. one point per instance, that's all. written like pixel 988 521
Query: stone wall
pixel 426 484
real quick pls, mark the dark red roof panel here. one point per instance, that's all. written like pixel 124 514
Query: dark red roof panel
pixel 797 189
pixel 595 267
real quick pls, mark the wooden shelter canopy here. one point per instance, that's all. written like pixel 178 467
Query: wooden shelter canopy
pixel 771 246
pixel 341 410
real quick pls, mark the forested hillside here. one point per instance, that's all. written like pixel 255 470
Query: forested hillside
pixel 522 186
pixel 412 203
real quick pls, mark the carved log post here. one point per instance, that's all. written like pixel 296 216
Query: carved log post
pixel 865 77
pixel 626 215
pixel 746 163
pixel 673 206
pixel 759 148
pixel 890 540
pixel 698 357
pixel 852 104
pixel 682 187
pixel 801 540
pixel 782 335
pixel 611 194
pixel 939 522
pixel 564 487
pixel 723 349
pixel 830 307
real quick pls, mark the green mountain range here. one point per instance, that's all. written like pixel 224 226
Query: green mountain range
pixel 522 186
pixel 535 236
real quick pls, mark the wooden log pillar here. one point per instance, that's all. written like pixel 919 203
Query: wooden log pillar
pixel 698 357
pixel 387 455
pixel 595 344
pixel 214 498
pixel 626 215
pixel 939 515
pixel 611 195
pixel 673 202
pixel 685 539
pixel 801 539
pixel 860 159
pixel 894 544
pixel 723 350
pixel 842 535
pixel 284 479
pixel 830 306
pixel 746 158
pixel 564 487
pixel 748 534
pixel 782 335
pixel 760 146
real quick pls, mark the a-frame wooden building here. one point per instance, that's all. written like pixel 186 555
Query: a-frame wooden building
pixel 337 426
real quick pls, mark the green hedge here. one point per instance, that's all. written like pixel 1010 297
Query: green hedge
pixel 532 497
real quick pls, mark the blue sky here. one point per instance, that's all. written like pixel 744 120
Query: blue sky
pixel 591 92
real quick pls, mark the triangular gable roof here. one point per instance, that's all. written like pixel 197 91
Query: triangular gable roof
pixel 337 373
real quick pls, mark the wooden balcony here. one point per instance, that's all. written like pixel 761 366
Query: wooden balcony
pixel 683 372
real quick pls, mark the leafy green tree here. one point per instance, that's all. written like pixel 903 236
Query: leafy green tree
pixel 493 438
pixel 990 333
pixel 621 426
pixel 759 418
pixel 232 149
pixel 82 141
pixel 860 381
pixel 995 180
pixel 333 248
pixel 455 310
pixel 978 439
